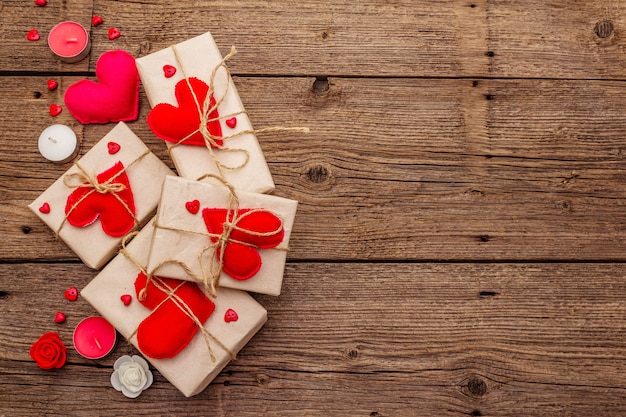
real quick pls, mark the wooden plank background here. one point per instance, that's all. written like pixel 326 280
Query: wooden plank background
pixel 459 247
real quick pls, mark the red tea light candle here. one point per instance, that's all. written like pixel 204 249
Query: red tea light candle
pixel 69 41
pixel 94 338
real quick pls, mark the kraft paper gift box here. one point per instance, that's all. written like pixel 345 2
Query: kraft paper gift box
pixel 175 115
pixel 125 188
pixel 235 319
pixel 194 241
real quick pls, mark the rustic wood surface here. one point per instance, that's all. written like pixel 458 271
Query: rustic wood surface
pixel 460 243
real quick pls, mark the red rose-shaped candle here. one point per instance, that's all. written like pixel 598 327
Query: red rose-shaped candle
pixel 49 352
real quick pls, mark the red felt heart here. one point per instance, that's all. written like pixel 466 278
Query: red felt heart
pixel 45 208
pixel 33 35
pixel 114 33
pixel 126 299
pixel 116 210
pixel 113 147
pixel 55 110
pixel 230 315
pixel 176 124
pixel 169 71
pixel 114 98
pixel 192 206
pixel 52 85
pixel 96 20
pixel 41 2
pixel 232 122
pixel 257 229
pixel 71 294
pixel 168 329
pixel 59 317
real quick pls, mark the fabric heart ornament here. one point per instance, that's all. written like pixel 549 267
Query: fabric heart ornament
pixel 182 123
pixel 114 98
pixel 253 229
pixel 168 329
pixel 115 207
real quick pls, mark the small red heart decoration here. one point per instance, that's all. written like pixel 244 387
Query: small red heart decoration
pixel 33 35
pixel 232 122
pixel 114 33
pixel 126 299
pixel 52 85
pixel 55 110
pixel 45 208
pixel 71 294
pixel 169 71
pixel 96 20
pixel 114 147
pixel 192 206
pixel 59 317
pixel 230 315
pixel 41 2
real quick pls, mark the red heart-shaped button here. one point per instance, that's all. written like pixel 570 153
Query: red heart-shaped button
pixel 168 329
pixel 33 35
pixel 114 33
pixel 71 294
pixel 45 208
pixel 114 98
pixel 126 299
pixel 116 210
pixel 41 2
pixel 59 317
pixel 55 110
pixel 113 147
pixel 169 71
pixel 174 124
pixel 96 20
pixel 232 122
pixel 192 206
pixel 230 315
pixel 52 85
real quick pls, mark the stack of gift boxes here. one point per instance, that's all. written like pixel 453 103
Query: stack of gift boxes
pixel 216 235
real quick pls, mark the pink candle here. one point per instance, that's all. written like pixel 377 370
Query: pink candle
pixel 94 338
pixel 69 41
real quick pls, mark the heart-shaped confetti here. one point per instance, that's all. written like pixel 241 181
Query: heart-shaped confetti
pixel 41 2
pixel 96 20
pixel 113 147
pixel 45 208
pixel 71 294
pixel 126 299
pixel 33 35
pixel 232 122
pixel 192 206
pixel 59 317
pixel 169 71
pixel 114 33
pixel 52 85
pixel 230 315
pixel 55 110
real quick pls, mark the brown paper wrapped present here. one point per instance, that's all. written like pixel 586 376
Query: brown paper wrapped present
pixel 172 330
pixel 112 190
pixel 213 235
pixel 179 81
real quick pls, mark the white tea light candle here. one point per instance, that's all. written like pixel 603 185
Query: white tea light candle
pixel 58 143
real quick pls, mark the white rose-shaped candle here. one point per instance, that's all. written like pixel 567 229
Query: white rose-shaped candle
pixel 131 375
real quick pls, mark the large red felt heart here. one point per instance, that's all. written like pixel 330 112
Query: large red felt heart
pixel 114 98
pixel 168 329
pixel 176 124
pixel 116 209
pixel 254 229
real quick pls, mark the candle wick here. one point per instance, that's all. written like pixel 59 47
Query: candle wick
pixel 72 40
pixel 98 343
pixel 51 139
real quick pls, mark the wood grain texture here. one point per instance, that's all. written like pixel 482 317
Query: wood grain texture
pixel 396 169
pixel 409 339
